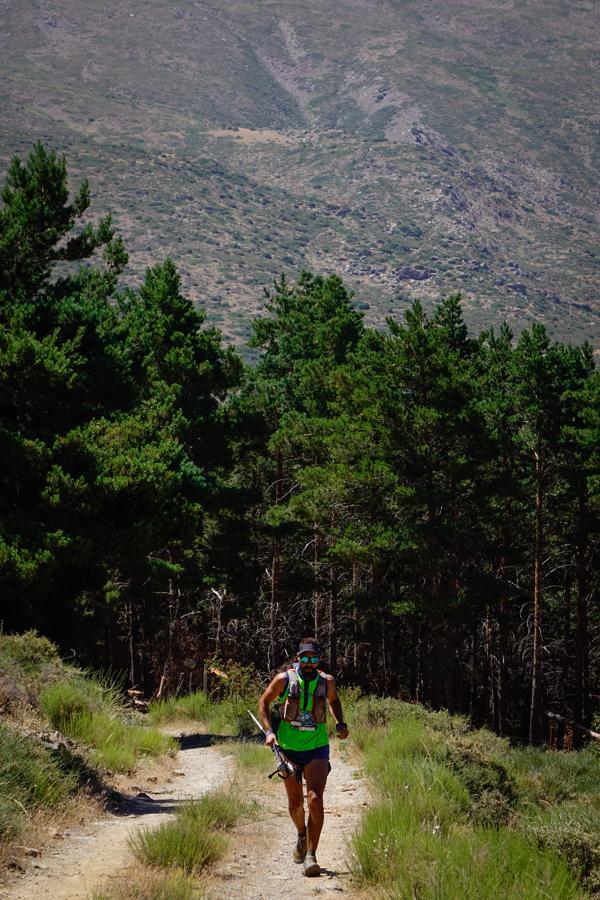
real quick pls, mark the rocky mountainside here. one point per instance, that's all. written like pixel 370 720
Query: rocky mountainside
pixel 416 148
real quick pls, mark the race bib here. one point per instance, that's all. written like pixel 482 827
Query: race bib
pixel 305 719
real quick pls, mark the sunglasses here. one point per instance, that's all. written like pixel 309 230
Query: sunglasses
pixel 312 659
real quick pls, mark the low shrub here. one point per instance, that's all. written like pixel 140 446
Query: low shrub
pixel 27 663
pixel 438 783
pixel 29 650
pixel 151 886
pixel 194 840
pixel 218 809
pixel 547 776
pixel 409 860
pixel 178 845
pixel 65 702
pixel 477 762
pixel 227 716
pixel 191 707
pixel 570 829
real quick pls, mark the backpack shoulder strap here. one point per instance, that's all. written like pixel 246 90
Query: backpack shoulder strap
pixel 321 688
pixel 285 690
pixel 292 682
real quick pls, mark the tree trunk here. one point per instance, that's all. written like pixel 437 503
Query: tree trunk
pixel 386 679
pixel 354 625
pixel 567 654
pixel 275 571
pixel 317 601
pixel 474 697
pixel 332 621
pixel 414 660
pixel 501 689
pixel 273 600
pixel 501 685
pixel 131 644
pixel 536 665
pixel 450 687
pixel 580 705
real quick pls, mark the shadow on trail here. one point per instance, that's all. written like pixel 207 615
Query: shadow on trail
pixel 199 741
pixel 333 873
pixel 143 804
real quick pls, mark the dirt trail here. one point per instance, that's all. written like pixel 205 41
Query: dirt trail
pixel 259 864
pixel 82 862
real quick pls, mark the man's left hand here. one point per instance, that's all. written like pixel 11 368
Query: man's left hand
pixel 342 730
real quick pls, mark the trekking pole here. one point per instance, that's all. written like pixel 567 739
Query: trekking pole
pixel 285 768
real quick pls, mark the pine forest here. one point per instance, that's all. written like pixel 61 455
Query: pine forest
pixel 424 500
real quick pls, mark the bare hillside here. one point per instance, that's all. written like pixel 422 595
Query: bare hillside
pixel 414 147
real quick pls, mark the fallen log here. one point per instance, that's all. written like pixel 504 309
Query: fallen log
pixel 563 721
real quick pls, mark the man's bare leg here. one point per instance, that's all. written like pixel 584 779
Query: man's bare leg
pixel 295 803
pixel 315 774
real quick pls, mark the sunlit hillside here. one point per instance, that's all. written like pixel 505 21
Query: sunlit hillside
pixel 413 147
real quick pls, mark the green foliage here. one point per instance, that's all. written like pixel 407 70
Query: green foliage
pixel 111 425
pixel 28 662
pixel 194 706
pixel 159 504
pixel 193 841
pixel 30 650
pixel 252 756
pixel 406 860
pixel 437 785
pixel 180 845
pixel 30 777
pixel 228 715
pixel 570 830
pixel 219 810
pixel 91 714
pixel 36 216
pixel 63 702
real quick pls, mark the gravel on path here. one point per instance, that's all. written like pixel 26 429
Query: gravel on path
pixel 81 863
pixel 259 864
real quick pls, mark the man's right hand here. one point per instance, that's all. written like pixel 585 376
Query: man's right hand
pixel 270 739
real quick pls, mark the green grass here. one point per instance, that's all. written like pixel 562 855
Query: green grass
pixel 195 838
pixel 252 756
pixel 228 716
pixel 178 845
pixel 411 860
pixel 31 777
pixel 460 814
pixel 93 715
pixel 194 706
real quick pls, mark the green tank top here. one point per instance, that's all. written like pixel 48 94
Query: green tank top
pixel 290 738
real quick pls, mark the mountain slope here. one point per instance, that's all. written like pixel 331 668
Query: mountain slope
pixel 413 147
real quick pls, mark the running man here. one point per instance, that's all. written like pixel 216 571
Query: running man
pixel 303 693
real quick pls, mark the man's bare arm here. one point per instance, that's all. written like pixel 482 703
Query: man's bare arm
pixel 274 690
pixel 335 705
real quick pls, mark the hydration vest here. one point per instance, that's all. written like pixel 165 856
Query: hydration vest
pixel 304 708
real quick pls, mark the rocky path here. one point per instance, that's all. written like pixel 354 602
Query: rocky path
pixel 259 863
pixel 84 859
